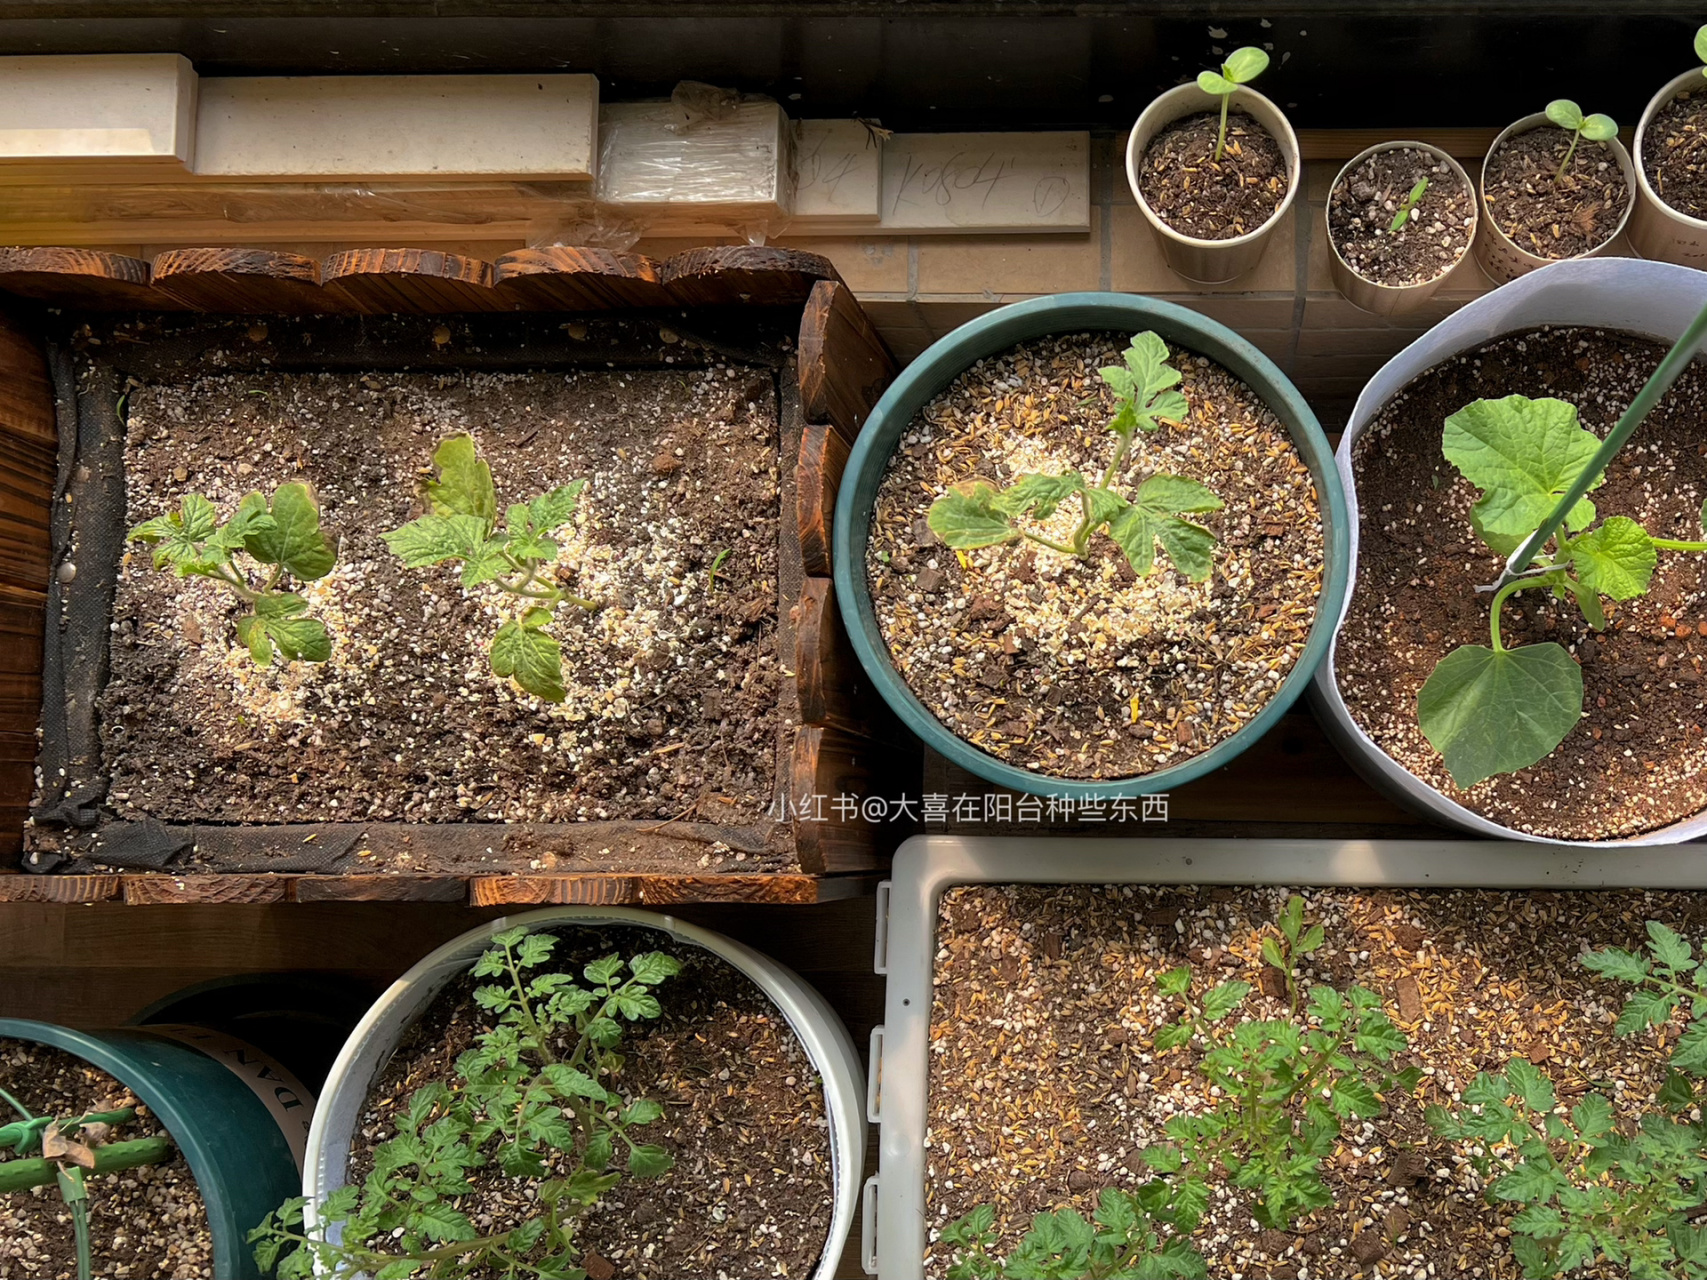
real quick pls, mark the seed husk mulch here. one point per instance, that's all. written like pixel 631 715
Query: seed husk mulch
pixel 674 684
pixel 147 1223
pixel 1548 216
pixel 1637 760
pixel 1044 1085
pixel 1209 199
pixel 1079 668
pixel 1362 206
pixel 1674 153
pixel 752 1191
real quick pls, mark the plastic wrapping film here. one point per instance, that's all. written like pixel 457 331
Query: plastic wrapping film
pixel 708 161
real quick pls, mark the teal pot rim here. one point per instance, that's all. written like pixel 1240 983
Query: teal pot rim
pixel 242 1165
pixel 995 332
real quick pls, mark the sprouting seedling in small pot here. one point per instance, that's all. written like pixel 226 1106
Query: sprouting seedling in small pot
pixel 282 536
pixel 1569 117
pixel 1494 710
pixel 461 524
pixel 1407 205
pixel 977 514
pixel 1242 66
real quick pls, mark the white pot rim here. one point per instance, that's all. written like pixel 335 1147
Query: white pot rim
pixel 1529 124
pixel 1295 166
pixel 1656 104
pixel 1469 190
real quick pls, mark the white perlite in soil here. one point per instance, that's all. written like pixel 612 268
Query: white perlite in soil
pixel 407 720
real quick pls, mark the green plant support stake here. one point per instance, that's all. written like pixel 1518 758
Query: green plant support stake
pixel 1670 369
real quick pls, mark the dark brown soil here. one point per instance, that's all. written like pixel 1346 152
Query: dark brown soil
pixel 1362 207
pixel 1637 760
pixel 752 1190
pixel 1045 1083
pixel 1546 215
pixel 146 1223
pixel 674 688
pixel 1197 195
pixel 1079 668
pixel 1674 153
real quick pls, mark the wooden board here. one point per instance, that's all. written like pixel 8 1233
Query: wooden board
pixel 744 275
pixel 565 279
pixel 823 458
pixel 81 278
pixel 421 281
pixel 243 281
pixel 845 366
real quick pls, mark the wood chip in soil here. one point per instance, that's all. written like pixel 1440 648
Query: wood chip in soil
pixel 1362 206
pixel 1674 153
pixel 674 688
pixel 147 1223
pixel 1637 760
pixel 1550 216
pixel 1079 668
pixel 1044 1084
pixel 1209 199
pixel 752 1192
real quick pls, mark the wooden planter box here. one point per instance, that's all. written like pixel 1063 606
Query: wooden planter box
pixel 832 368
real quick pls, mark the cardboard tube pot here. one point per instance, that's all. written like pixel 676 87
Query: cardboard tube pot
pixel 1212 261
pixel 1498 253
pixel 1391 299
pixel 222 1109
pixel 808 1014
pixel 1657 230
pixel 1657 300
pixel 995 332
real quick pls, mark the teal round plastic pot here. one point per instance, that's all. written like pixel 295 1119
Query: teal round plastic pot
pixel 996 332
pixel 242 1164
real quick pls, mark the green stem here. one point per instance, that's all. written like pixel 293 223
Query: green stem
pixel 1576 137
pixel 1051 544
pixel 1669 544
pixel 237 584
pixel 1221 137
pixel 16 1105
pixel 1675 362
pixel 534 1029
pixel 1511 589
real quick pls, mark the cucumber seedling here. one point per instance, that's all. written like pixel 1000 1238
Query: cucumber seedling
pixel 461 525
pixel 977 514
pixel 1569 117
pixel 1489 709
pixel 282 536
pixel 1242 66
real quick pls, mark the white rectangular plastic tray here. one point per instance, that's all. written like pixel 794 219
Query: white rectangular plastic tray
pixel 893 1230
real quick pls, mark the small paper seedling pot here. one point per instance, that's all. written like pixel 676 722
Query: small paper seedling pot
pixel 1389 299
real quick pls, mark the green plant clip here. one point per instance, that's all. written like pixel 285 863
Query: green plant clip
pixel 461 525
pixel 282 535
pixel 1242 66
pixel 976 514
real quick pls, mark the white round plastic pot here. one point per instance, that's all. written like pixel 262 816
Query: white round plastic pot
pixel 1654 299
pixel 1391 299
pixel 1501 257
pixel 809 1016
pixel 1656 229
pixel 1212 261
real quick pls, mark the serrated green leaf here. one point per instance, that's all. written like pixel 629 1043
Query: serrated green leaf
pixel 441 1223
pixel 1174 982
pixel 434 539
pixel 1523 454
pixel 642 1111
pixel 1616 559
pixel 571 1083
pixel 1378 1035
pixel 648 1161
pixel 1152 399
pixel 1152 519
pixel 1528 1083
pixel 1527 1182
pixel 1592 1117
pixel 966 518
pixel 1644 1009
pixel 1163 1157
pixel 1037 496
pixel 1353 1097
pixel 1244 65
pixel 180 539
pixel 1172 1036
pixel 1221 1000
pixel 550 511
pixel 292 539
pixel 1668 948
pixel 598 1153
pixel 1620 965
pixel 653 967
pixel 531 658
pixel 277 624
pixel 1489 712
pixel 464 486
pixel 585 1186
pixel 1677 1093
pixel 1534 1258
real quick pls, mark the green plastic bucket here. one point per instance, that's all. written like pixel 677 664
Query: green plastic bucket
pixel 988 335
pixel 242 1163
